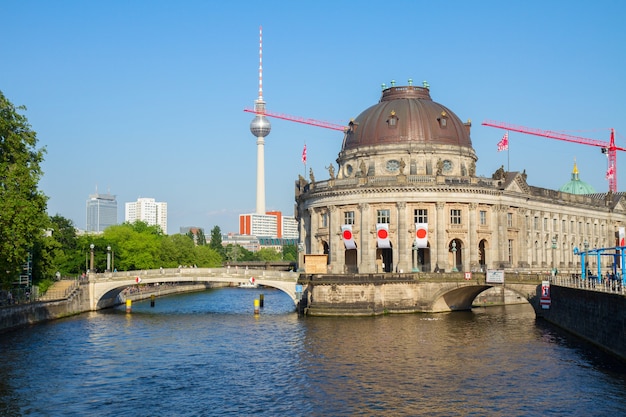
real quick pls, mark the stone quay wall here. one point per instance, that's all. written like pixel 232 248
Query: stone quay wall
pixel 376 294
pixel 595 316
pixel 15 316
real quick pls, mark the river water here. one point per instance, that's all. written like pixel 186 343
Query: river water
pixel 206 354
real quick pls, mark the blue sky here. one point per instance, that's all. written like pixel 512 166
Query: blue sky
pixel 146 98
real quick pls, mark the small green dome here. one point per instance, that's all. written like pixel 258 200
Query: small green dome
pixel 576 186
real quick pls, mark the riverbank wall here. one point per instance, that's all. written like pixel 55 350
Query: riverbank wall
pixel 21 315
pixel 595 316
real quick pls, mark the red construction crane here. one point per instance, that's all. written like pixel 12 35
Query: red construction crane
pixel 311 122
pixel 608 148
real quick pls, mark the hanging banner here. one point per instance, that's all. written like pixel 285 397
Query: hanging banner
pixel 348 238
pixel 421 235
pixel 622 241
pixel 382 235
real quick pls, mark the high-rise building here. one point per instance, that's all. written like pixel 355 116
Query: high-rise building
pixel 147 210
pixel 101 212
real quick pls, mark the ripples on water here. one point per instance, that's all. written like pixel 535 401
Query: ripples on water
pixel 206 354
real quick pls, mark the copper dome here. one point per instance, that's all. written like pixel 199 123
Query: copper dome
pixel 407 115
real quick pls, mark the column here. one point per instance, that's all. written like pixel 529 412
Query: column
pixel 337 258
pixel 365 253
pixel 402 249
pixel 470 260
pixel 441 249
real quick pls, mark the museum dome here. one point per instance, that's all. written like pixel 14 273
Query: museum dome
pixel 576 186
pixel 406 115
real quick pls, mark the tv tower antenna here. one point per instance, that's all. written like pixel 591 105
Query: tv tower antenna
pixel 260 127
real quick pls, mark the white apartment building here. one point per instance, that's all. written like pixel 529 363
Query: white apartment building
pixel 147 210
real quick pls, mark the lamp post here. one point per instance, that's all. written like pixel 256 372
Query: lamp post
pixel 91 247
pixel 553 253
pixel 109 258
pixel 454 256
pixel 416 258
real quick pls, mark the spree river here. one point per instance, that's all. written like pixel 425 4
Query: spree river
pixel 206 354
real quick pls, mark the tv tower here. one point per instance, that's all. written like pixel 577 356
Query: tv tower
pixel 260 127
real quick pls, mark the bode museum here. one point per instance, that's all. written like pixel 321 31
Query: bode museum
pixel 405 197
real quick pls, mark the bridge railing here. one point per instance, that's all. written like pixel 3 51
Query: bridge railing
pixel 243 273
pixel 591 284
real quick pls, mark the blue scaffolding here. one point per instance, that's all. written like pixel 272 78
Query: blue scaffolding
pixel 619 261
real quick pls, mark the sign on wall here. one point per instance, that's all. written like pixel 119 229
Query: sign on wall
pixel 495 276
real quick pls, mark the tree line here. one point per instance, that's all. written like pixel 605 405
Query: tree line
pixel 52 242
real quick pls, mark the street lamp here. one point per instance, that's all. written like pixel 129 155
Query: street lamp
pixel 109 258
pixel 91 258
pixel 454 256
pixel 553 253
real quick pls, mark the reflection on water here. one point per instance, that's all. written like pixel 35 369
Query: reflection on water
pixel 206 354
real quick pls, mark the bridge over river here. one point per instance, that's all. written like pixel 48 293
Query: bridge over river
pixel 369 293
pixel 105 287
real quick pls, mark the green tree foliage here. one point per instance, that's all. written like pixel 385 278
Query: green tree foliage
pixel 237 253
pixel 290 253
pixel 57 250
pixel 206 257
pixel 216 241
pixel 267 255
pixel 137 246
pixel 177 250
pixel 23 217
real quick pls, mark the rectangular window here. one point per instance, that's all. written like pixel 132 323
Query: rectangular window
pixel 324 219
pixel 455 216
pixel 483 217
pixel 420 216
pixel 536 223
pixel 348 217
pixel 510 251
pixel 509 219
pixel 555 225
pixel 382 216
pixel 545 223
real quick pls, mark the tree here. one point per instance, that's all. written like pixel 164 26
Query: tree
pixel 23 215
pixel 267 255
pixel 290 253
pixel 137 246
pixel 216 241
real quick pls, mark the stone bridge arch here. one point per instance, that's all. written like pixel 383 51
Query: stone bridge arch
pixel 452 296
pixel 105 288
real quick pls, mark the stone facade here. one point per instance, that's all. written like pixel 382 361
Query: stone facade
pixel 407 161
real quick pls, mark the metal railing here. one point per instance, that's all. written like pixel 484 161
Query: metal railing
pixel 605 284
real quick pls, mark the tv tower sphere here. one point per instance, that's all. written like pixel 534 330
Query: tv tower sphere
pixel 260 126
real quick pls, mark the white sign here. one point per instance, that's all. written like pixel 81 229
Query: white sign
pixel 495 276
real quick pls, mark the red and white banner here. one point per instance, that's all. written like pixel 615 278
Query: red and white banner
pixel 347 236
pixel 610 173
pixel 421 235
pixel 382 235
pixel 304 154
pixel 503 145
pixel 622 237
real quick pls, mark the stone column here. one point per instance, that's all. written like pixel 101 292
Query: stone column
pixel 365 254
pixel 441 249
pixel 470 260
pixel 311 243
pixel 403 249
pixel 337 258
